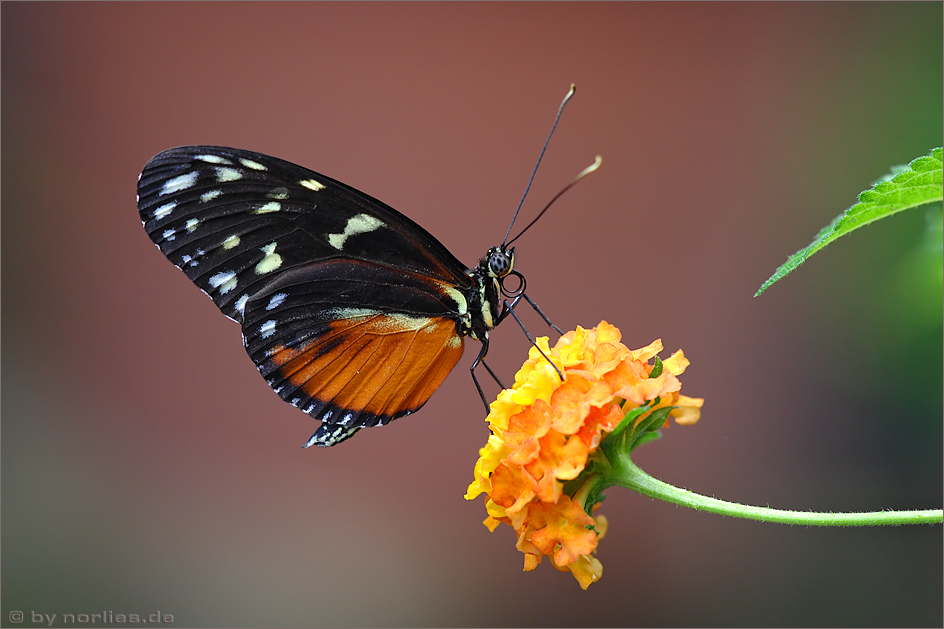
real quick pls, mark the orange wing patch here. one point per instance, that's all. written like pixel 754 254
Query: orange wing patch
pixel 384 364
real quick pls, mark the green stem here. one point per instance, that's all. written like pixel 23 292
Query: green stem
pixel 626 474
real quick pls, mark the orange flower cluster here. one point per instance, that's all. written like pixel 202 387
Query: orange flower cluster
pixel 544 430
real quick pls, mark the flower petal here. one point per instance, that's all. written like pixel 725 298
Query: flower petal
pixel 676 363
pixel 688 411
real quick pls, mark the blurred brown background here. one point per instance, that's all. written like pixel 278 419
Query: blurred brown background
pixel 147 467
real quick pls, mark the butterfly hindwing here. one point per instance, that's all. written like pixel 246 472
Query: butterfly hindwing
pixel 349 309
pixel 326 341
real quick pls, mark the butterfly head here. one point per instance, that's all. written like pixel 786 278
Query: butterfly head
pixel 498 265
pixel 499 262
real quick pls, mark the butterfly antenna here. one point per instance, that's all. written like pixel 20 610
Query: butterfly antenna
pixel 583 173
pixel 560 110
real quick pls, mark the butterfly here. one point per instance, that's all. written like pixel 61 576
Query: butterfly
pixel 351 311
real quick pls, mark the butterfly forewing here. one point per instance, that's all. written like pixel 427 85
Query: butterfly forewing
pixel 230 218
pixel 349 309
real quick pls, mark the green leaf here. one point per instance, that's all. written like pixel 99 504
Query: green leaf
pixel 596 495
pixel 656 368
pixel 628 419
pixel 646 438
pixel 613 441
pixel 654 422
pixel 906 187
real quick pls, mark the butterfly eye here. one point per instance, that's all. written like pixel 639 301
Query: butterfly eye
pixel 500 262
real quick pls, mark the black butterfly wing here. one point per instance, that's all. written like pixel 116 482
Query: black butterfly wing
pixel 348 307
pixel 230 218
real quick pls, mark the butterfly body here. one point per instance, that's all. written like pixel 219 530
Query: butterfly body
pixel 351 311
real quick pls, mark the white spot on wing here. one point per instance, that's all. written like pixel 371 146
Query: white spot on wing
pixel 271 206
pixel 248 163
pixel 267 329
pixel 402 322
pixel 358 224
pixel 213 159
pixel 192 225
pixel 209 196
pixel 196 254
pixel 165 209
pixel 231 242
pixel 228 286
pixel 350 313
pixel 227 174
pixel 179 183
pixel 221 278
pixel 312 184
pixel 240 304
pixel 387 322
pixel 278 193
pixel 169 234
pixel 276 301
pixel 270 262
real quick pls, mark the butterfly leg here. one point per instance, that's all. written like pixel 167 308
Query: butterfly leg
pixel 543 316
pixel 492 374
pixel 475 363
pixel 510 309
